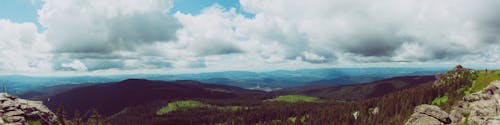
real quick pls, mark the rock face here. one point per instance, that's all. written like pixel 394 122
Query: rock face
pixel 18 111
pixel 428 115
pixel 452 76
pixel 481 108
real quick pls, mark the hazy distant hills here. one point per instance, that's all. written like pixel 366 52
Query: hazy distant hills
pixel 272 80
pixel 344 80
pixel 359 91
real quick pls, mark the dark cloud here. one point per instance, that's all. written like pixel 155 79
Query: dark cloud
pixel 217 48
pixel 159 64
pixel 102 64
pixel 127 32
pixel 373 43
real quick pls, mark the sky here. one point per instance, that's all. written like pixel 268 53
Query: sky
pixel 188 36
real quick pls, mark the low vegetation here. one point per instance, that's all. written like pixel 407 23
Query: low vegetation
pixel 485 77
pixel 180 105
pixel 293 99
pixel 390 108
pixel 31 122
pixel 192 104
pixel 439 100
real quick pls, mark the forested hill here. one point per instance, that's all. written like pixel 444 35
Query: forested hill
pixel 388 101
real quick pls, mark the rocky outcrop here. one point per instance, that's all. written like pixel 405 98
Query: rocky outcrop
pixel 481 108
pixel 18 111
pixel 428 115
pixel 457 74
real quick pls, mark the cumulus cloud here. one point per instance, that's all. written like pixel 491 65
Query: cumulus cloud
pixel 210 33
pixel 95 30
pixel 95 26
pixel 75 65
pixel 95 35
pixel 342 31
pixel 23 49
pixel 387 30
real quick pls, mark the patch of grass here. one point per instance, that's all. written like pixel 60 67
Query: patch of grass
pixel 303 119
pixel 181 105
pixel 33 122
pixel 190 104
pixel 232 108
pixel 439 100
pixel 465 90
pixel 484 79
pixel 293 99
pixel 292 119
pixel 464 123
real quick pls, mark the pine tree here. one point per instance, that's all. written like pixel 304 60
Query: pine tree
pixel 94 118
pixel 77 119
pixel 61 114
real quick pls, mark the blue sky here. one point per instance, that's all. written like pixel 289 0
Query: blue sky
pixel 19 10
pixel 196 6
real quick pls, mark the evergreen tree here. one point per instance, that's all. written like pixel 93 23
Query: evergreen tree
pixel 77 119
pixel 94 118
pixel 61 114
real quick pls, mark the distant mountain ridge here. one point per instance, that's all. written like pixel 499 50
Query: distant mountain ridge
pixel 359 91
pixel 272 80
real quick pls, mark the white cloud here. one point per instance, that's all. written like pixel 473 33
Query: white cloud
pixel 378 30
pixel 22 49
pixel 137 35
pixel 342 32
pixel 313 57
pixel 101 32
pixel 411 52
pixel 75 65
pixel 210 33
pixel 96 26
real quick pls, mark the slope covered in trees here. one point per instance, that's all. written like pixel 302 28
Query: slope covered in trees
pixel 215 104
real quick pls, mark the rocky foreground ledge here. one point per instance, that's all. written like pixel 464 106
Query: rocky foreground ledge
pixel 480 108
pixel 16 111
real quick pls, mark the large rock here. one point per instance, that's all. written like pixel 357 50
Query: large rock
pixel 15 111
pixel 481 108
pixel 421 119
pixel 428 115
pixel 14 119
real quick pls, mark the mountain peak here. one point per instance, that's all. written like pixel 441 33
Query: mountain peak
pixel 458 73
pixel 458 68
